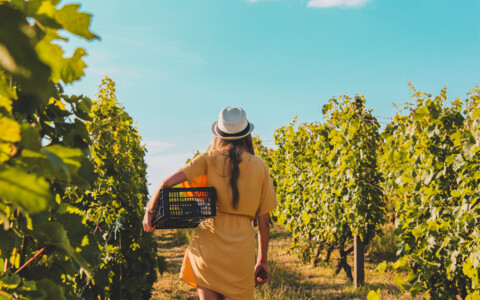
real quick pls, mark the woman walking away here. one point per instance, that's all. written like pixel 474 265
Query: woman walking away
pixel 220 260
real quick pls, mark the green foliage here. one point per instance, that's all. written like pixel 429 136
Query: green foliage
pixel 43 153
pixel 184 236
pixel 327 180
pixel 373 295
pixel 384 245
pixel 354 185
pixel 78 218
pixel 115 204
pixel 432 170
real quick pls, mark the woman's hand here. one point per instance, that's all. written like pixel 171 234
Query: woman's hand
pixel 262 274
pixel 147 222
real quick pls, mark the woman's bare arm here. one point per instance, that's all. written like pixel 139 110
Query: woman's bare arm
pixel 263 239
pixel 172 180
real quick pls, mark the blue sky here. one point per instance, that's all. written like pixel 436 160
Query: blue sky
pixel 178 63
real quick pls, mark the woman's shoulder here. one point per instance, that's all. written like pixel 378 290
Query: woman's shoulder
pixel 255 160
pixel 217 152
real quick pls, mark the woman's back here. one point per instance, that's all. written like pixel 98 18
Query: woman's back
pixel 256 193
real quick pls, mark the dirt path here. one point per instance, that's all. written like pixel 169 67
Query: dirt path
pixel 290 279
pixel 168 285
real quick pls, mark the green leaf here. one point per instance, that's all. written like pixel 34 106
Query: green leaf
pixel 30 138
pixel 10 281
pixel 67 17
pixel 411 277
pixel 473 296
pixel 10 130
pixel 471 271
pixel 456 193
pixel 458 162
pixel 417 232
pixel 78 165
pixel 381 267
pixel 83 108
pixel 428 176
pixel 76 134
pixel 51 289
pixel 55 234
pixel 416 289
pixel 476 113
pixel 420 114
pixel 45 163
pixel 79 233
pixel 18 57
pixel 372 295
pixel 6 95
pixel 306 217
pixel 39 9
pixel 469 147
pixel 66 69
pixel 449 160
pixel 477 175
pixel 28 191
pixel 400 282
pixel 56 162
pixel 10 240
pixel 74 21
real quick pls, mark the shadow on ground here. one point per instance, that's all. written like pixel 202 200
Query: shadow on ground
pixel 286 283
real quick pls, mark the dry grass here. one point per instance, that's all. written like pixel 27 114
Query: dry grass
pixel 168 285
pixel 291 279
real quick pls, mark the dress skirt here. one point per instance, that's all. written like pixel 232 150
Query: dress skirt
pixel 221 256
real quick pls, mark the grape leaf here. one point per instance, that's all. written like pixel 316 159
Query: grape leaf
pixel 29 191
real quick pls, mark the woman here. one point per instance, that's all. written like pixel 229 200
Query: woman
pixel 220 260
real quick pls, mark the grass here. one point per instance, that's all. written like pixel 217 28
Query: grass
pixel 383 246
pixel 290 278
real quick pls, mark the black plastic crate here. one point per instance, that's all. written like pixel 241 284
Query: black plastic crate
pixel 184 207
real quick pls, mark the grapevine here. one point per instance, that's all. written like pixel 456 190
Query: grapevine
pixel 431 166
pixel 327 180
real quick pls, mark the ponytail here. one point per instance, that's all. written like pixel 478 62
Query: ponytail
pixel 235 148
pixel 235 160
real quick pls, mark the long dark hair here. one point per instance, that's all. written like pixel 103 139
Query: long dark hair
pixel 235 148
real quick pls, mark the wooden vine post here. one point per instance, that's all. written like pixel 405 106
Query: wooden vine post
pixel 358 250
pixel 358 262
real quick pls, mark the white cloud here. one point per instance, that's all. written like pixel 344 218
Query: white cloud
pixel 333 3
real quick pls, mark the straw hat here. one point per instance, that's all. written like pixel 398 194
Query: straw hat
pixel 232 124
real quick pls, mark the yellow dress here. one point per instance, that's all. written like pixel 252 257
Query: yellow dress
pixel 221 255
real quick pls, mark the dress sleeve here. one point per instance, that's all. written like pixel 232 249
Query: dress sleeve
pixel 268 200
pixel 196 170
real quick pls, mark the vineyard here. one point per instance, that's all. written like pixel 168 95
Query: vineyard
pixel 73 178
pixel 72 173
pixel 343 177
